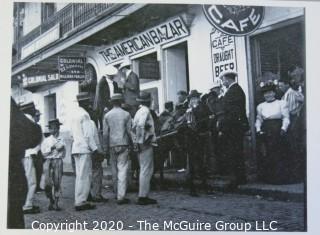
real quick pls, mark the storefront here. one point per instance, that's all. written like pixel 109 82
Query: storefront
pixel 182 50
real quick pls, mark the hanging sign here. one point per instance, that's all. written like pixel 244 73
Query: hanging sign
pixel 167 32
pixel 223 53
pixel 71 68
pixel 234 20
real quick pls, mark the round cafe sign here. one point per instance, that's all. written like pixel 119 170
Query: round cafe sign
pixel 234 20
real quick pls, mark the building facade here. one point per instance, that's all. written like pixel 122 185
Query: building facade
pixel 172 47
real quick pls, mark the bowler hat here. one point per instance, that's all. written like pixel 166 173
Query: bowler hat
pixel 110 70
pixel 54 121
pixel 182 92
pixel 83 96
pixel 194 93
pixel 125 63
pixel 230 74
pixel 144 97
pixel 117 96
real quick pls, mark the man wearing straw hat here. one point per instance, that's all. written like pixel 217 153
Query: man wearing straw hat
pixel 131 86
pixel 144 138
pixel 53 150
pixel 84 147
pixel 117 140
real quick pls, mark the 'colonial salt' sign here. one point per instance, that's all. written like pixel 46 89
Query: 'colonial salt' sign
pixel 223 53
pixel 71 68
pixel 38 80
pixel 234 20
pixel 164 33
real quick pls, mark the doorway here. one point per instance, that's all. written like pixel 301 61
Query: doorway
pixel 176 71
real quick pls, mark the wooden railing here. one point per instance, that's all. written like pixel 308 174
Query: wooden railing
pixel 70 17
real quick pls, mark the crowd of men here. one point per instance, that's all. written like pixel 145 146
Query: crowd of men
pixel 118 123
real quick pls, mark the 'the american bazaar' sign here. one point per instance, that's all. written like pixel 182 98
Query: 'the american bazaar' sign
pixel 164 33
pixel 234 20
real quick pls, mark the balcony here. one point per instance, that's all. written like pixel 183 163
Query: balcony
pixel 71 18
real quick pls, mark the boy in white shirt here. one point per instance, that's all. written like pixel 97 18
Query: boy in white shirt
pixel 54 150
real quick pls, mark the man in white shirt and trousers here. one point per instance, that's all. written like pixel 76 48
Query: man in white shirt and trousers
pixel 84 147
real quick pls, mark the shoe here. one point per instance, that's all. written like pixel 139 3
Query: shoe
pixel 99 199
pixel 85 207
pixel 33 210
pixel 146 201
pixel 123 201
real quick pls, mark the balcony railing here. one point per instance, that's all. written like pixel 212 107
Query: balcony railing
pixel 70 17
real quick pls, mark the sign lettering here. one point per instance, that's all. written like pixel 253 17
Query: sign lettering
pixel 72 68
pixel 166 32
pixel 223 53
pixel 234 20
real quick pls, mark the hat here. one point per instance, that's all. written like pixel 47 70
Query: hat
pixel 54 121
pixel 28 108
pixel 83 96
pixel 182 92
pixel 144 96
pixel 230 74
pixel 125 63
pixel 268 86
pixel 110 70
pixel 117 96
pixel 168 104
pixel 194 93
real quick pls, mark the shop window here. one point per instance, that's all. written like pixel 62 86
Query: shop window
pixel 47 10
pixel 274 52
pixel 148 68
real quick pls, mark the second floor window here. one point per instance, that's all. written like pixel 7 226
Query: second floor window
pixel 47 10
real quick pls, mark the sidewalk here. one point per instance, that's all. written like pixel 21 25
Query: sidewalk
pixel 173 179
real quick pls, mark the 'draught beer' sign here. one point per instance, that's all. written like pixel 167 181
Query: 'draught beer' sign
pixel 223 53
pixel 71 68
pixel 234 20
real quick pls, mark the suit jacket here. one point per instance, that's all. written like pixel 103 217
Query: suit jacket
pixel 234 111
pixel 102 98
pixel 131 89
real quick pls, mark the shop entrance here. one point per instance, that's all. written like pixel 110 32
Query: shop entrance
pixel 176 70
pixel 279 56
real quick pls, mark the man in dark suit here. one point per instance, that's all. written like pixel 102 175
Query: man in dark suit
pixel 24 134
pixel 106 87
pixel 232 127
pixel 131 87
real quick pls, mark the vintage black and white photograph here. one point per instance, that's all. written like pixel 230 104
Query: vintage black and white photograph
pixel 158 117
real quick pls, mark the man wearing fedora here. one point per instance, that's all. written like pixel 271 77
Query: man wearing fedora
pixel 106 87
pixel 29 167
pixel 233 126
pixel 84 147
pixel 131 86
pixel 117 140
pixel 53 150
pixel 144 138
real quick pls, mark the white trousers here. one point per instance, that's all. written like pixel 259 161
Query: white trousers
pixel 30 173
pixel 120 166
pixel 83 164
pixel 145 157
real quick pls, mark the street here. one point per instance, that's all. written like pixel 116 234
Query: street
pixel 176 210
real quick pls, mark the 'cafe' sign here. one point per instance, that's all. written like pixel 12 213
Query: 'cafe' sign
pixel 234 20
